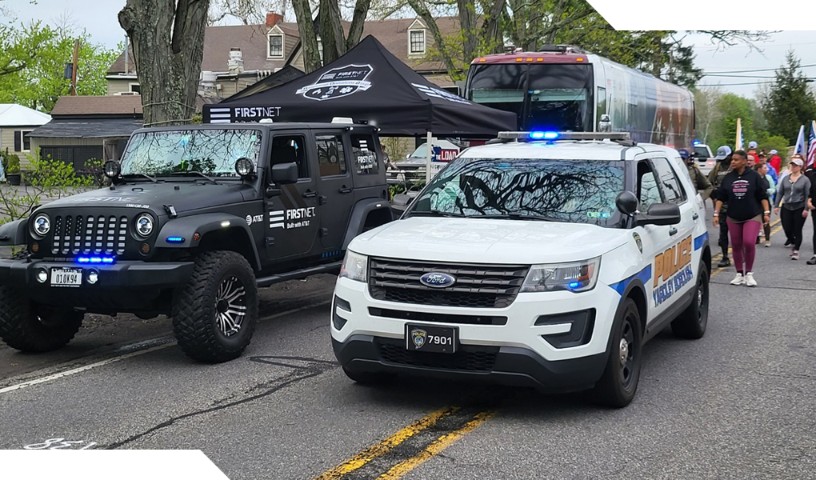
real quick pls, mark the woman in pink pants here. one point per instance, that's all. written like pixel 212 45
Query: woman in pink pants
pixel 748 209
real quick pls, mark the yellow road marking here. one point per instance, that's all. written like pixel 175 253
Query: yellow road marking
pixel 383 447
pixel 441 443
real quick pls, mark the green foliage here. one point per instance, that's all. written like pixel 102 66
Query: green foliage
pixel 789 102
pixel 32 65
pixel 49 179
pixel 11 163
pixel 773 142
pixel 723 131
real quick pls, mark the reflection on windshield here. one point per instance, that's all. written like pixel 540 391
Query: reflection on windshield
pixel 576 191
pixel 211 152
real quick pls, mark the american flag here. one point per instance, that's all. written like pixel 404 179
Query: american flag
pixel 811 155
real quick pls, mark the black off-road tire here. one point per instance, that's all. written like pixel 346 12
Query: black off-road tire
pixel 692 322
pixel 366 378
pixel 198 307
pixel 619 382
pixel 35 328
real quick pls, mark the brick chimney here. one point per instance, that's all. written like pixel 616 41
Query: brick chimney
pixel 273 19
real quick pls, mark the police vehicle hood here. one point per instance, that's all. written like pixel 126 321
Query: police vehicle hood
pixel 183 196
pixel 473 240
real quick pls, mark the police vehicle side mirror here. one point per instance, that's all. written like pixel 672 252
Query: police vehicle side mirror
pixel 660 214
pixel 626 202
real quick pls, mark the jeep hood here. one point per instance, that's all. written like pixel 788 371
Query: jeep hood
pixel 183 196
pixel 488 240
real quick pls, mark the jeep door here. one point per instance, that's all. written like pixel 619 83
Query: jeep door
pixel 335 188
pixel 669 247
pixel 291 210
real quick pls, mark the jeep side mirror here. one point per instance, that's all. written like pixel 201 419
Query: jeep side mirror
pixel 660 214
pixel 605 123
pixel 626 202
pixel 284 173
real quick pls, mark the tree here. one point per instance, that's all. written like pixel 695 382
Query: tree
pixel 167 37
pixel 730 108
pixel 706 111
pixel 789 102
pixel 329 29
pixel 32 63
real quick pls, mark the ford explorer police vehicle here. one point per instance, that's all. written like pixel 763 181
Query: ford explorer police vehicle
pixel 197 218
pixel 543 259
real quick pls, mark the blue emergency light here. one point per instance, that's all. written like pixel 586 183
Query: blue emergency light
pixel 95 260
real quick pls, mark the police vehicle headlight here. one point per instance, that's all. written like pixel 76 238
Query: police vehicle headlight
pixel 42 225
pixel 573 276
pixel 355 266
pixel 144 225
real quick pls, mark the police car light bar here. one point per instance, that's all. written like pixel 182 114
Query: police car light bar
pixel 547 135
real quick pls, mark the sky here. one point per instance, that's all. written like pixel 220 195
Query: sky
pixel 98 18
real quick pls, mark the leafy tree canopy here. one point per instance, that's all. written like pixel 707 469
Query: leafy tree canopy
pixel 789 102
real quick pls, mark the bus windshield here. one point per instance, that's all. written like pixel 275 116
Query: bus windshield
pixel 543 96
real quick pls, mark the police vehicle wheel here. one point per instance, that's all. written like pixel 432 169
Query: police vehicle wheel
pixel 214 315
pixel 366 378
pixel 29 327
pixel 619 381
pixel 691 323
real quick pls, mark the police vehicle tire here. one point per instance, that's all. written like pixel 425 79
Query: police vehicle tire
pixel 619 381
pixel 221 287
pixel 366 378
pixel 31 328
pixel 691 323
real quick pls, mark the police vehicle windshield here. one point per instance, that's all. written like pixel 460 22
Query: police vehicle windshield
pixel 211 152
pixel 575 191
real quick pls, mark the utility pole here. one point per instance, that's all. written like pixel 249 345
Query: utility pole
pixel 74 68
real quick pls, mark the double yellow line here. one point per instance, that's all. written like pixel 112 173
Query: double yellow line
pixel 425 423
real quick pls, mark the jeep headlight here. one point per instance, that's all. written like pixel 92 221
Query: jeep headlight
pixel 41 225
pixel 573 276
pixel 144 225
pixel 355 266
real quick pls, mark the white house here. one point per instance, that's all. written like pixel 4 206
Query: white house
pixel 16 122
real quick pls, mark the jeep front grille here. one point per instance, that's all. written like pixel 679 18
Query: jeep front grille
pixel 477 286
pixel 89 235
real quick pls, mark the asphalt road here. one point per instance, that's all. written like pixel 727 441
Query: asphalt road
pixel 736 404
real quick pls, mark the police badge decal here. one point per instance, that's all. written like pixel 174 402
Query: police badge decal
pixel 419 337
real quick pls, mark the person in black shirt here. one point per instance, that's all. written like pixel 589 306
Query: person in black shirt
pixel 811 174
pixel 748 208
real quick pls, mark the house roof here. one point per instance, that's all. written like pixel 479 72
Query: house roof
pixel 87 128
pixel 393 34
pixel 219 39
pixel 102 105
pixel 13 115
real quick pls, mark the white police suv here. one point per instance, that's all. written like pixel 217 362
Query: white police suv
pixel 540 259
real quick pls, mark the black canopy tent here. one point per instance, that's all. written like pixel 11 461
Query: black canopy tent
pixel 370 84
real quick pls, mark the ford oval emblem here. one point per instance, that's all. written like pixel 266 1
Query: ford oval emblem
pixel 437 280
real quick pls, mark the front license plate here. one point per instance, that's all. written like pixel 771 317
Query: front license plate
pixel 66 277
pixel 425 338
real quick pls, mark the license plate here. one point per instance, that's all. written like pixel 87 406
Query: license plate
pixel 425 338
pixel 66 277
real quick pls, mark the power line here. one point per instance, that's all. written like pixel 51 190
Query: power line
pixel 760 69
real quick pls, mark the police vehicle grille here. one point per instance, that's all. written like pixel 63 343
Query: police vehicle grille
pixel 472 358
pixel 92 234
pixel 477 286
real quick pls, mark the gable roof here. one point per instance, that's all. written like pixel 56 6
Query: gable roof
pixel 219 39
pixel 393 34
pixel 13 115
pixel 100 105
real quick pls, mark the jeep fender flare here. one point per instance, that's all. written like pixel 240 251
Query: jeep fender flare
pixel 187 227
pixel 14 233
pixel 360 212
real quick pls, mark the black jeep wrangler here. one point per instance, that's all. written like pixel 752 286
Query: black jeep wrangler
pixel 195 220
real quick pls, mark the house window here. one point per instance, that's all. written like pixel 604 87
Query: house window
pixel 22 142
pixel 275 46
pixel 416 41
pixel 135 88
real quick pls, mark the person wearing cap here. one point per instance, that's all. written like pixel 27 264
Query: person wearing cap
pixel 700 182
pixel 715 177
pixel 776 161
pixel 762 169
pixel 748 208
pixel 793 195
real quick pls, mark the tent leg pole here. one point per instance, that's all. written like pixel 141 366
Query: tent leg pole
pixel 428 158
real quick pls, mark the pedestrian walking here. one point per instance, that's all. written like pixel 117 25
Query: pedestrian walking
pixel 700 182
pixel 776 162
pixel 770 187
pixel 715 177
pixel 748 208
pixel 811 175
pixel 793 195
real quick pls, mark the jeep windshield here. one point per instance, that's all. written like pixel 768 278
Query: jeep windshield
pixel 189 153
pixel 575 191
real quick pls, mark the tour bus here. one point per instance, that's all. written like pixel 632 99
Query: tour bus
pixel 563 88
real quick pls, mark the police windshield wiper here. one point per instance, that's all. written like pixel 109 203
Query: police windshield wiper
pixel 517 216
pixel 195 174
pixel 434 213
pixel 141 175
